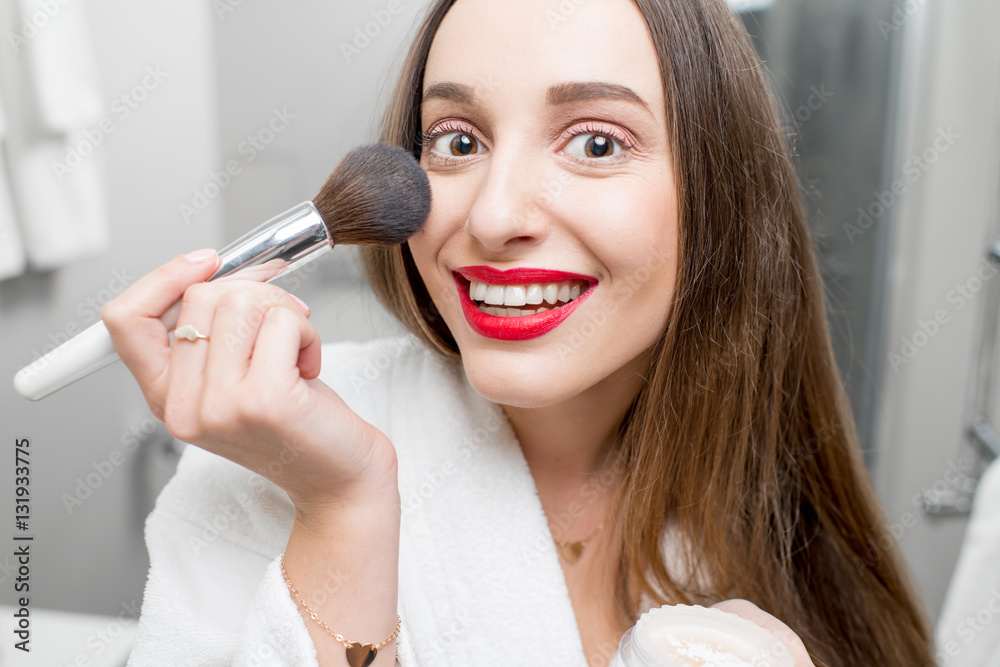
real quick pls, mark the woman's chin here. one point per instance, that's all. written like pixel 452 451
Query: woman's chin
pixel 521 388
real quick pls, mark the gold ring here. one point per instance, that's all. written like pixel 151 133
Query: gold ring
pixel 188 332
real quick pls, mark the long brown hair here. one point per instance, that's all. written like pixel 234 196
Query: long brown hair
pixel 742 439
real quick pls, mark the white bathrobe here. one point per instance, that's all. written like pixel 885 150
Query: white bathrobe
pixel 480 582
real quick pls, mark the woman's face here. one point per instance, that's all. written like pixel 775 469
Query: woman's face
pixel 553 191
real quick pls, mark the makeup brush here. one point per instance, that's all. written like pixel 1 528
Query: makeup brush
pixel 377 196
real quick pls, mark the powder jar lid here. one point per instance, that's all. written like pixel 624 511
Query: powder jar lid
pixel 692 635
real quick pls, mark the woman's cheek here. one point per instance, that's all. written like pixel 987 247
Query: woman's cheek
pixel 628 224
pixel 427 244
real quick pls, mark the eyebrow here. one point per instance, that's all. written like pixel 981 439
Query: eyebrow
pixel 456 92
pixel 566 93
pixel 559 94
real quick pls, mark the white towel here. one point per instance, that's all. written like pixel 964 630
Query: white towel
pixel 12 261
pixel 968 632
pixel 61 221
pixel 62 210
pixel 479 579
pixel 62 70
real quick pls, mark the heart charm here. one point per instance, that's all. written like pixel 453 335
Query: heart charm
pixel 360 655
pixel 572 551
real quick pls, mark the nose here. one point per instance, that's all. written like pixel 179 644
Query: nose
pixel 511 209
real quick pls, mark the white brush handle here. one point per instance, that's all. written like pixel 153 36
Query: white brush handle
pixel 83 354
pixel 280 245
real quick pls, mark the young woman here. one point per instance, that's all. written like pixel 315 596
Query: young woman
pixel 620 392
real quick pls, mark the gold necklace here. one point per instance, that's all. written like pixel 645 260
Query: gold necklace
pixel 572 550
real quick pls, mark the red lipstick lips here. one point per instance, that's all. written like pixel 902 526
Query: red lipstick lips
pixel 521 327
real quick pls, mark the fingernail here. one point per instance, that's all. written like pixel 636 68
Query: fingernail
pixel 199 256
pixel 300 302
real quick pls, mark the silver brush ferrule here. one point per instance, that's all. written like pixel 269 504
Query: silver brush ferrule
pixel 278 246
pixel 283 243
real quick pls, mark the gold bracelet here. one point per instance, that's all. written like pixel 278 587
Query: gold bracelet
pixel 358 655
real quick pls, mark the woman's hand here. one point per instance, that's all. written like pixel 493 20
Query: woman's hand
pixel 751 612
pixel 248 393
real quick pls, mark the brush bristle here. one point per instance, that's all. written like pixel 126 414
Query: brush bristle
pixel 378 195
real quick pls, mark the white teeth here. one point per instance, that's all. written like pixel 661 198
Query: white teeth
pixel 542 310
pixel 551 292
pixel 534 294
pixel 494 295
pixel 515 295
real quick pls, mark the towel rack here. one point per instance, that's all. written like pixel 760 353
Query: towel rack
pixel 980 432
pixel 984 435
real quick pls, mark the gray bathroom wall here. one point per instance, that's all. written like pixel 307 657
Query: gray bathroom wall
pixel 331 86
pixel 235 90
pixel 89 555
pixel 942 226
pixel 284 89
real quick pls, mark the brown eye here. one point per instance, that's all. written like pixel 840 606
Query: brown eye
pixel 598 146
pixel 595 147
pixel 463 144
